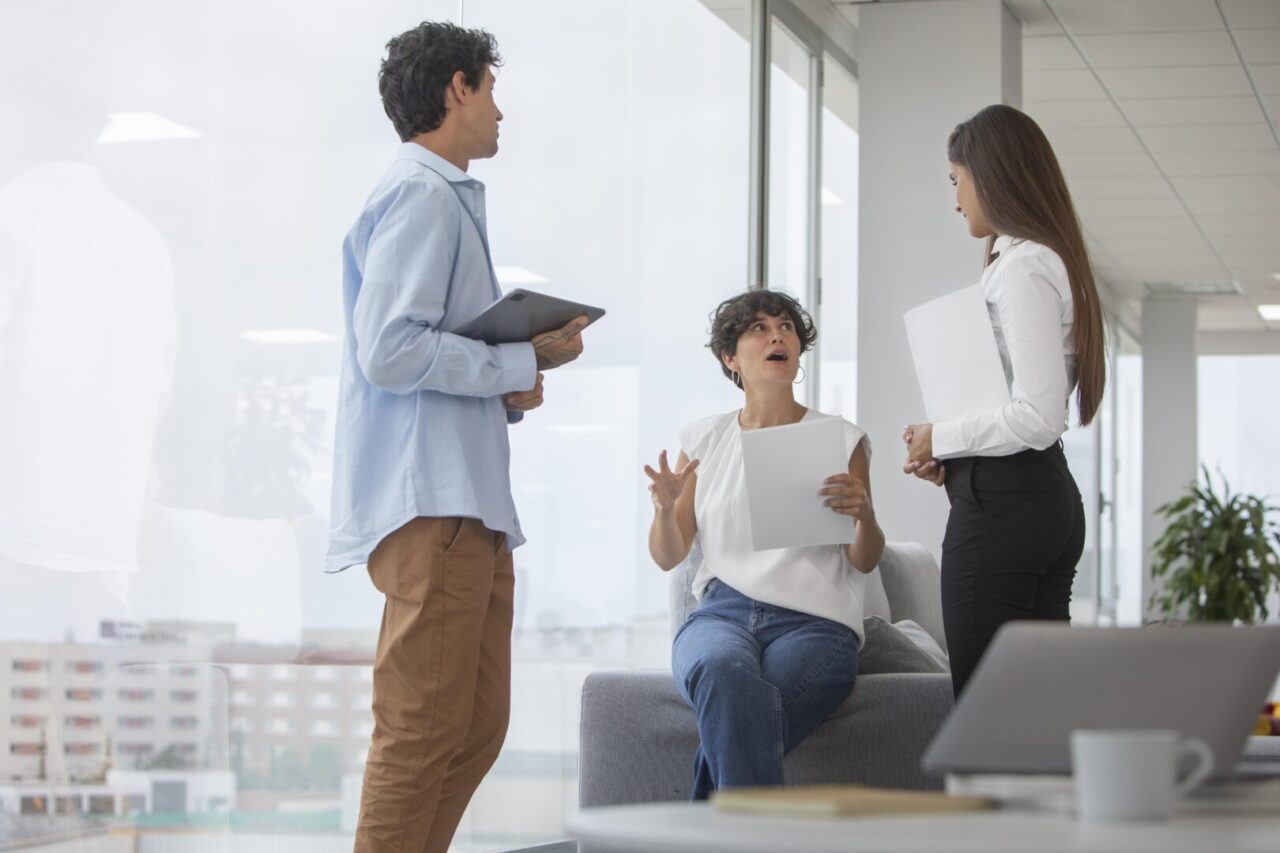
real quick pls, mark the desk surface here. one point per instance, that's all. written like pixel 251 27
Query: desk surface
pixel 689 828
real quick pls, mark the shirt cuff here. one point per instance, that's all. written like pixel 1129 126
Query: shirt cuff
pixel 947 441
pixel 519 366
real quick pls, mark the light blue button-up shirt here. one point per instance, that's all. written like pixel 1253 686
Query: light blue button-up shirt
pixel 422 429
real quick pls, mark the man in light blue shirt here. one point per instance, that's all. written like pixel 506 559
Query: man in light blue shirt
pixel 421 488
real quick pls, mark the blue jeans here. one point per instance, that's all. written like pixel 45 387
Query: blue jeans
pixel 760 679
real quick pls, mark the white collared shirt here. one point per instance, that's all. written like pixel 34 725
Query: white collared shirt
pixel 1029 298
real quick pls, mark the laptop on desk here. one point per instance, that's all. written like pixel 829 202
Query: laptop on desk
pixel 1037 682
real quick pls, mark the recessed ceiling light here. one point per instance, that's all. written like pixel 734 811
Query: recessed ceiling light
pixel 1270 313
pixel 517 275
pixel 142 127
pixel 287 336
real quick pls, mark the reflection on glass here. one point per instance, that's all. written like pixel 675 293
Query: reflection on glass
pixel 200 271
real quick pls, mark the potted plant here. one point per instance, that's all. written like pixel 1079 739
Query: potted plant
pixel 1218 556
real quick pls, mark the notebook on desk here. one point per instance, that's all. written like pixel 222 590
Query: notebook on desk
pixel 844 800
pixel 1038 682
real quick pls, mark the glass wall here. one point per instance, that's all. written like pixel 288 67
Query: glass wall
pixel 789 177
pixel 1237 426
pixel 1130 560
pixel 175 184
pixel 838 341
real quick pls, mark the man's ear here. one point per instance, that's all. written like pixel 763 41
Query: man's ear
pixel 458 90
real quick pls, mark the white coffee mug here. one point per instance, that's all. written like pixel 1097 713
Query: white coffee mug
pixel 1132 774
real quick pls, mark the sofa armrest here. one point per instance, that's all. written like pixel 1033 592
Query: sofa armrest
pixel 636 741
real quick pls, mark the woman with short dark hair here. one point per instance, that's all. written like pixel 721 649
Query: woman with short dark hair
pixel 772 648
pixel 1016 528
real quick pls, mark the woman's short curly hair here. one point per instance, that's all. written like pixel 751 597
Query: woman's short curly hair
pixel 735 315
pixel 419 66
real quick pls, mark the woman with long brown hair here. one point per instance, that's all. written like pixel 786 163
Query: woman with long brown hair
pixel 1016 527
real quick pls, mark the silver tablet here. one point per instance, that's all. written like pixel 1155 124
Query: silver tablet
pixel 521 314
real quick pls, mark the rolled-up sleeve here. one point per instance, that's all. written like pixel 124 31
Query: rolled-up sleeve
pixel 1030 310
pixel 408 265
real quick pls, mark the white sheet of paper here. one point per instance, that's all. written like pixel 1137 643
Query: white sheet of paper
pixel 784 468
pixel 954 350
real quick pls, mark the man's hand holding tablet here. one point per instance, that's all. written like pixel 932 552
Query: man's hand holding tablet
pixel 560 346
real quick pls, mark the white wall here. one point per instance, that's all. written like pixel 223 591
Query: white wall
pixel 913 245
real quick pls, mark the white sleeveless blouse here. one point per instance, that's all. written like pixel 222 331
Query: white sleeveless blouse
pixel 818 580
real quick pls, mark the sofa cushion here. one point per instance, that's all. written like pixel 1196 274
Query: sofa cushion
pixel 888 649
pixel 914 587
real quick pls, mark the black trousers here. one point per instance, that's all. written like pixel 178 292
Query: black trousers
pixel 1014 536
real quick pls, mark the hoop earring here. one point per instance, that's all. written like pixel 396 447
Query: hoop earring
pixel 801 379
pixel 737 380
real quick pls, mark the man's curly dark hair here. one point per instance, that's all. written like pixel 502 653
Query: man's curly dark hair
pixel 419 66
pixel 735 315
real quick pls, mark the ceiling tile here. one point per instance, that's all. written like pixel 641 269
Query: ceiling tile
pixel 1266 77
pixel 1242 14
pixel 1127 188
pixel 1139 50
pixel 1243 245
pixel 1228 186
pixel 1258 283
pixel 1128 207
pixel 1228 206
pixel 1260 292
pixel 1093 140
pixel 1145 112
pixel 1136 16
pixel 1061 84
pixel 1222 318
pixel 1162 268
pixel 1043 53
pixel 1221 163
pixel 1163 246
pixel 1251 226
pixel 1259 46
pixel 1253 259
pixel 1074 113
pixel 1180 81
pixel 1103 165
pixel 1036 20
pixel 1142 226
pixel 1107 268
pixel 1221 137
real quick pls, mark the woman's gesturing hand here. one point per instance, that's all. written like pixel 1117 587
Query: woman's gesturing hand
pixel 668 485
pixel 847 495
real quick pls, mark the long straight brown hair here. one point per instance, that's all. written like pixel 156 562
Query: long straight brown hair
pixel 1023 194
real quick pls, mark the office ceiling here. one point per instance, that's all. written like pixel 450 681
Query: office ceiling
pixel 1166 117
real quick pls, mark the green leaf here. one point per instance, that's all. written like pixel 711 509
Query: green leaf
pixel 1218 556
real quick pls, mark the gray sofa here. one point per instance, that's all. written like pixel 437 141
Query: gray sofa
pixel 638 736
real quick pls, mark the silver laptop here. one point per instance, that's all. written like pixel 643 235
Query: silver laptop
pixel 1037 682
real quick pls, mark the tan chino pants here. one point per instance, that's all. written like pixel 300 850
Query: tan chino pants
pixel 441 680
